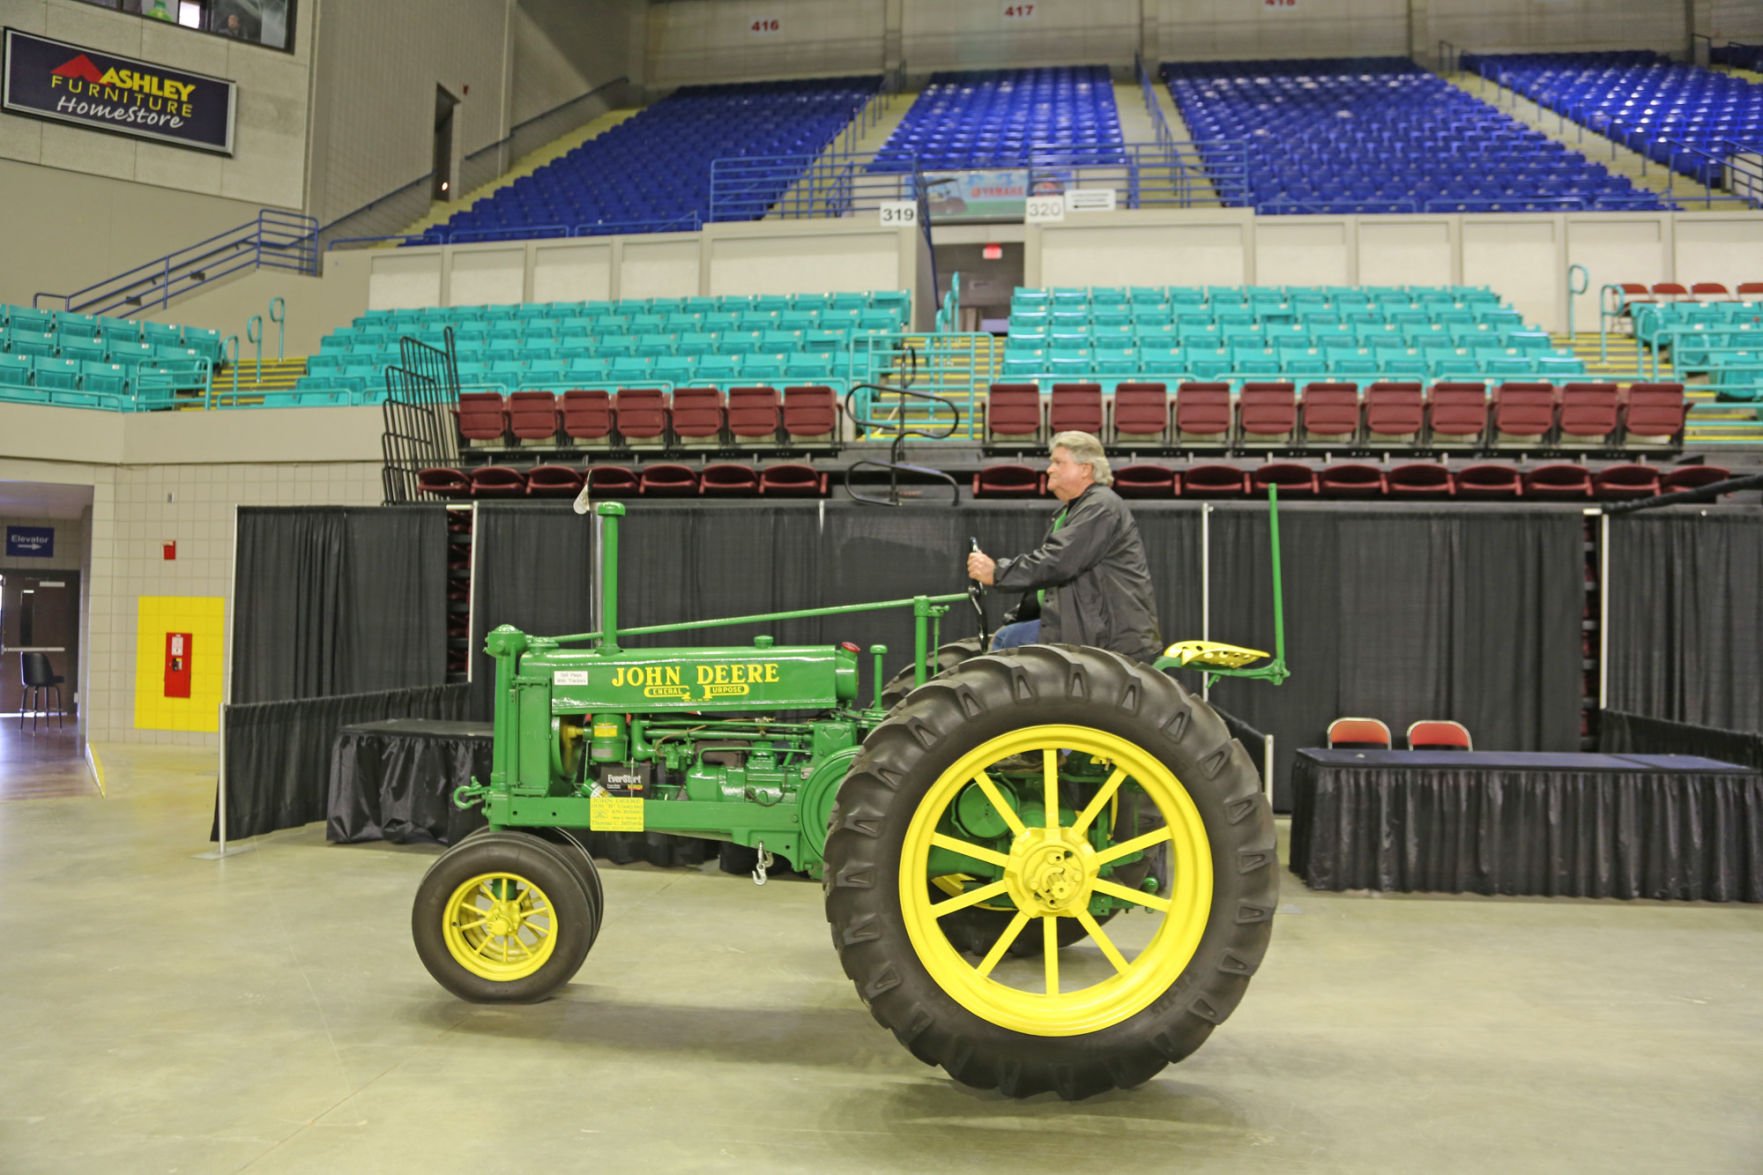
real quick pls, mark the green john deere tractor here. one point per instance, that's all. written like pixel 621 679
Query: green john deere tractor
pixel 1050 868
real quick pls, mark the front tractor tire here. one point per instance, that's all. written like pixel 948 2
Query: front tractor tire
pixel 504 917
pixel 1050 744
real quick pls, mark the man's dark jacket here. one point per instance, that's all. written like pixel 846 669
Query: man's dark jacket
pixel 1097 582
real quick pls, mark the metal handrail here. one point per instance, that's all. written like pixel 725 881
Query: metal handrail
pixel 278 314
pixel 274 239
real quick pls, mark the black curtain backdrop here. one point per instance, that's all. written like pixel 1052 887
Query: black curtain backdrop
pixel 338 600
pixel 1620 733
pixel 531 569
pixel 1468 615
pixel 1686 617
pixel 278 754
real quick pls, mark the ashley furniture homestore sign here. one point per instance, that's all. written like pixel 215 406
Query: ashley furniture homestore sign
pixel 68 83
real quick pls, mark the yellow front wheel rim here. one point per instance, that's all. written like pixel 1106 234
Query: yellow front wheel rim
pixel 1052 871
pixel 500 926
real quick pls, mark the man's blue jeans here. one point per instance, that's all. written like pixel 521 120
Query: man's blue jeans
pixel 1023 632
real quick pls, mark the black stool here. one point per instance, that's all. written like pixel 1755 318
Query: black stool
pixel 37 676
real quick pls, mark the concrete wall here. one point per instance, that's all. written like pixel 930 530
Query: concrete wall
pixel 764 257
pixel 176 476
pixel 704 40
pixel 1529 26
pixel 101 203
pixel 563 49
pixel 373 113
pixel 1215 30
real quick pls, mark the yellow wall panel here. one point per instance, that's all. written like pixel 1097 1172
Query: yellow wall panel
pixel 203 617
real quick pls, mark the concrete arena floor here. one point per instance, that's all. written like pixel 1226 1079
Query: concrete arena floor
pixel 267 1013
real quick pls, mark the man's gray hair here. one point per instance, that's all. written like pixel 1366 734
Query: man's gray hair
pixel 1085 450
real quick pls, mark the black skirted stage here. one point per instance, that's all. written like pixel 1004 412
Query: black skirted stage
pixel 394 780
pixel 1671 827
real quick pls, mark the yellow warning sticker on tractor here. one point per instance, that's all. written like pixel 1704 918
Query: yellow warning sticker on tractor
pixel 615 813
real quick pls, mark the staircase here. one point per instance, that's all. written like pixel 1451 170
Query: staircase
pixel 812 186
pixel 1709 423
pixel 956 367
pixel 1608 153
pixel 441 210
pixel 259 384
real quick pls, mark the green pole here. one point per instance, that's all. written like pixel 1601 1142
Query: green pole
pixel 1279 615
pixel 606 568
pixel 920 639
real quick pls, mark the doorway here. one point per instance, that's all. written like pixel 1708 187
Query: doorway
pixel 39 612
pixel 444 180
pixel 989 274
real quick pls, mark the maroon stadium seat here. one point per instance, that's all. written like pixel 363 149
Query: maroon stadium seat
pixel 1489 481
pixel 1202 415
pixel 697 417
pixel 641 416
pixel 1689 477
pixel 666 480
pixel 1422 479
pixel 1524 414
pixel 1293 480
pixel 497 481
pixel 1652 414
pixel 1013 416
pixel 1713 291
pixel 1145 481
pixel 1075 407
pixel 1588 415
pixel 791 479
pixel 1671 290
pixel 728 478
pixel 532 418
pixel 1351 479
pixel 1627 481
pixel 483 419
pixel 1141 415
pixel 1457 415
pixel 1213 481
pixel 587 418
pixel 553 481
pixel 811 417
pixel 1267 414
pixel 1395 413
pixel 755 416
pixel 1330 412
pixel 1558 481
pixel 612 481
pixel 1008 481
pixel 444 482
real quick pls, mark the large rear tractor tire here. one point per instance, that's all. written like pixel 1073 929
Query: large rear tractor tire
pixel 504 917
pixel 1039 744
pixel 947 657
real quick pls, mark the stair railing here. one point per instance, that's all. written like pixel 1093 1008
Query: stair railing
pixel 278 314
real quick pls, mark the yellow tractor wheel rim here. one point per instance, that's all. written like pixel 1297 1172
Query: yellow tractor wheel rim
pixel 500 926
pixel 1052 871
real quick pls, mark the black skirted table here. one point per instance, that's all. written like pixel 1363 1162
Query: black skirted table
pixel 394 780
pixel 1510 822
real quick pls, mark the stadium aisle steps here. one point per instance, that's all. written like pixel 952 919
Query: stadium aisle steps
pixel 440 210
pixel 1599 149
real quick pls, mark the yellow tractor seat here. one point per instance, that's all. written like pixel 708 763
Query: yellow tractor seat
pixel 1213 653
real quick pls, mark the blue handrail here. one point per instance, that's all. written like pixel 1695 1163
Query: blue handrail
pixel 274 240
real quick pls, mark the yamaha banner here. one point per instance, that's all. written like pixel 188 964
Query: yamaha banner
pixel 68 83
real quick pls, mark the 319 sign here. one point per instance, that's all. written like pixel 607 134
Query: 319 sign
pixel 765 24
pixel 1019 11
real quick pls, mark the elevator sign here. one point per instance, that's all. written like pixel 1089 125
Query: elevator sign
pixel 70 83
pixel 30 542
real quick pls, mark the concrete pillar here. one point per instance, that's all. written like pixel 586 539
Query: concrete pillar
pixel 1421 46
pixel 1698 17
pixel 893 39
